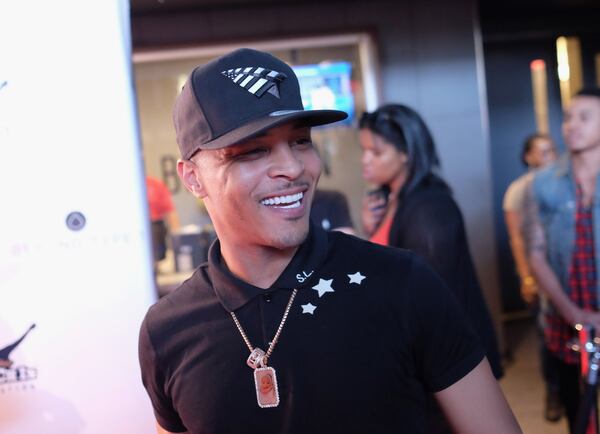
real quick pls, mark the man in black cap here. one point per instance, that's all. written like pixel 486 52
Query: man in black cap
pixel 288 328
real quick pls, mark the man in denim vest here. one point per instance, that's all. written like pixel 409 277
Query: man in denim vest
pixel 539 150
pixel 562 219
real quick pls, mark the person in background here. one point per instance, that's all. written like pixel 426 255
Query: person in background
pixel 330 211
pixel 538 151
pixel 163 216
pixel 563 213
pixel 413 208
pixel 289 328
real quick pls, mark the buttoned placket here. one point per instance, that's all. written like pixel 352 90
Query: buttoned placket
pixel 272 303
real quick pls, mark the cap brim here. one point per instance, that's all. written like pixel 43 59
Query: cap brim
pixel 252 129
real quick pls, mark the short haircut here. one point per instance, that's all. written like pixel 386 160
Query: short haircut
pixel 528 145
pixel 406 131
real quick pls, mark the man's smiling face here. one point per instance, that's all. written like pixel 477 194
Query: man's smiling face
pixel 258 192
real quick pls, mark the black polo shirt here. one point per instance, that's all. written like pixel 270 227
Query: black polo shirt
pixel 371 332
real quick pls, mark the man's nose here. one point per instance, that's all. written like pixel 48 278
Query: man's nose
pixel 285 162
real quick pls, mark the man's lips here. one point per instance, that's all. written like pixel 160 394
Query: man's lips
pixel 284 201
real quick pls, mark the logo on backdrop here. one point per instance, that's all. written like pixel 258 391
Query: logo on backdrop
pixel 75 221
pixel 12 374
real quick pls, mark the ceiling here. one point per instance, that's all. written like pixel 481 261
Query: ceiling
pixel 499 18
pixel 514 7
pixel 168 6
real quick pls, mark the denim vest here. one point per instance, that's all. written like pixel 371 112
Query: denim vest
pixel 555 193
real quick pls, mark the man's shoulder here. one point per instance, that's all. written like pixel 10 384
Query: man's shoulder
pixel 396 279
pixel 521 182
pixel 352 245
pixel 516 192
pixel 551 183
pixel 554 172
pixel 178 302
pixel 396 266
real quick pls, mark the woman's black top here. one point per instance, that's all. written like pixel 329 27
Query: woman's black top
pixel 429 222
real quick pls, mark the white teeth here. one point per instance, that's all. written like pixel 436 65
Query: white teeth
pixel 294 205
pixel 288 201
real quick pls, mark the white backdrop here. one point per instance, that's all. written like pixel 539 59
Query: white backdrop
pixel 69 143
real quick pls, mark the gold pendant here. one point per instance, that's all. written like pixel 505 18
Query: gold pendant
pixel 267 392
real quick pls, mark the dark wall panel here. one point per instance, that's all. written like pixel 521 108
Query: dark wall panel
pixel 512 119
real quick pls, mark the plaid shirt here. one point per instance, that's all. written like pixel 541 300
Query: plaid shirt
pixel 582 285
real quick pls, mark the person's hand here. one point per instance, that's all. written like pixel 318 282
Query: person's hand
pixel 529 290
pixel 373 209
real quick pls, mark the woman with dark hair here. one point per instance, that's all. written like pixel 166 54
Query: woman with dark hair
pixel 413 209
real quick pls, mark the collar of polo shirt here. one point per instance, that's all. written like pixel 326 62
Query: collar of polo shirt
pixel 300 272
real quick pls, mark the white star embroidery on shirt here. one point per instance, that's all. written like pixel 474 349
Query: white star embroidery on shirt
pixel 309 308
pixel 356 277
pixel 323 287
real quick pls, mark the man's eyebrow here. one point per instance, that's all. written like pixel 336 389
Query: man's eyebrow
pixel 234 149
pixel 259 136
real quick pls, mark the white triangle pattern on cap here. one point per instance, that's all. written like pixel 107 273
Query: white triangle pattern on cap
pixel 256 80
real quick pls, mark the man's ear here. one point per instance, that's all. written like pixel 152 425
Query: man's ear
pixel 188 173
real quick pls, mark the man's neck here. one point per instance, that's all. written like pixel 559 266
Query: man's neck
pixel 586 164
pixel 260 266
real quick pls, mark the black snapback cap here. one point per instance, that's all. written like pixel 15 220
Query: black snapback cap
pixel 238 96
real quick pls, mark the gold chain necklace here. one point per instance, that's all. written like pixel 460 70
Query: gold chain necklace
pixel 265 377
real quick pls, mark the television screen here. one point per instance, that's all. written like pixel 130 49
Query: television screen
pixel 327 85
